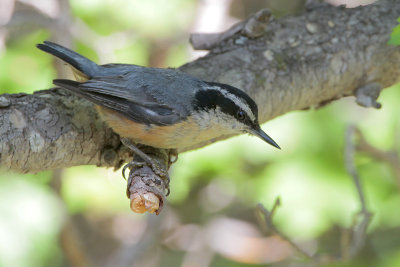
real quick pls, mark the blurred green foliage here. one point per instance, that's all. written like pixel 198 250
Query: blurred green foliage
pixel 23 68
pixel 308 173
pixel 395 36
pixel 30 220
pixel 152 19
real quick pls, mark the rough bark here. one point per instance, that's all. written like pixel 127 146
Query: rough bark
pixel 52 129
pixel 297 63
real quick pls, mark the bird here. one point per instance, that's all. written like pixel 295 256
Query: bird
pixel 159 107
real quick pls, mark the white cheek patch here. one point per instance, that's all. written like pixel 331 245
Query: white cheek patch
pixel 238 102
pixel 204 119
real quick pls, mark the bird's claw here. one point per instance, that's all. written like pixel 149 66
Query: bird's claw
pixel 172 156
pixel 131 165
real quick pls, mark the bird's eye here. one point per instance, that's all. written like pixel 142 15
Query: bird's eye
pixel 240 115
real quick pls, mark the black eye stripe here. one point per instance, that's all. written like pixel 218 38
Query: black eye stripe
pixel 239 93
pixel 210 99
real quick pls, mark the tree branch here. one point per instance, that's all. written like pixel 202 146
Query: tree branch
pixel 298 63
pixel 53 129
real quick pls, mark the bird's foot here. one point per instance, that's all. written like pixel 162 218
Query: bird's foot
pixel 155 166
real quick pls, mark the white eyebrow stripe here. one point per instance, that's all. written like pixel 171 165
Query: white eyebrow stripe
pixel 238 101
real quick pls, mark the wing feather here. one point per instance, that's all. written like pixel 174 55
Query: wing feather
pixel 142 108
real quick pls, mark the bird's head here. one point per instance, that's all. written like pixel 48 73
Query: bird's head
pixel 231 109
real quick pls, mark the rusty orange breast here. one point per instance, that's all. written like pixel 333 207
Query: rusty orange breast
pixel 179 135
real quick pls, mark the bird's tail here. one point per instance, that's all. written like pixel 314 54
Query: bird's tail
pixel 77 61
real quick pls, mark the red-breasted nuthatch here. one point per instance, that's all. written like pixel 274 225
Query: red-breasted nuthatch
pixel 162 108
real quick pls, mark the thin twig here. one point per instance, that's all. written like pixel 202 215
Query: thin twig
pixel 359 229
pixel 264 217
pixel 351 168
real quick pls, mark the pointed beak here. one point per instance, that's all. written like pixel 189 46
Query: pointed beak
pixel 260 133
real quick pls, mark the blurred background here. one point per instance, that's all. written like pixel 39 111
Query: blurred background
pixel 81 217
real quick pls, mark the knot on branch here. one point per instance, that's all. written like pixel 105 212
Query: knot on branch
pixel 253 27
pixel 367 95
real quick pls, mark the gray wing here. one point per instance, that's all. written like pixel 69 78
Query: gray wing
pixel 145 95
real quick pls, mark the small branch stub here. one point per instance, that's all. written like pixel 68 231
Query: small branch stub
pixel 367 95
pixel 147 201
pixel 146 187
pixel 145 190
